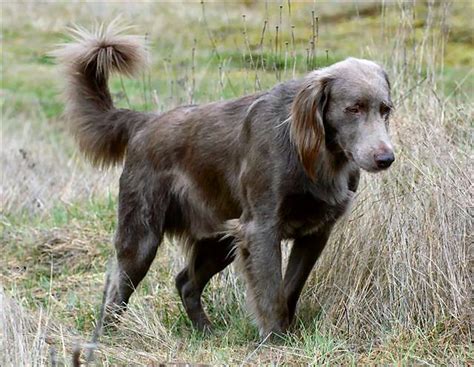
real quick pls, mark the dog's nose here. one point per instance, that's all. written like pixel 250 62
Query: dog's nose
pixel 384 160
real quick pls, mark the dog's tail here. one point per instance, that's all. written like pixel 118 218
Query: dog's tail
pixel 102 130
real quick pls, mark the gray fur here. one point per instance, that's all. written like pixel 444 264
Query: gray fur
pixel 252 171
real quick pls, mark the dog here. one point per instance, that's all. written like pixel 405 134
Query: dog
pixel 229 179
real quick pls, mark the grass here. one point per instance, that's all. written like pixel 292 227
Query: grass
pixel 393 286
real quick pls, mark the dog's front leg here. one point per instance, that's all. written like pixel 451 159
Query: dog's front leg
pixel 260 256
pixel 303 256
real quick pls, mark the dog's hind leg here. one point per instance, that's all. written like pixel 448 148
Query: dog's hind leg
pixel 209 257
pixel 139 233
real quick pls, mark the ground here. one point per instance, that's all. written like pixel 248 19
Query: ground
pixel 393 285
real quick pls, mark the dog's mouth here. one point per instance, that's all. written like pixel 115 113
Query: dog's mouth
pixel 363 164
pixel 372 168
pixel 349 155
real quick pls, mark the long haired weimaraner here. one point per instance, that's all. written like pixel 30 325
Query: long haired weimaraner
pixel 229 179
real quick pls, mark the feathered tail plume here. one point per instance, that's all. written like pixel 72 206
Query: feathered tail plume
pixel 102 130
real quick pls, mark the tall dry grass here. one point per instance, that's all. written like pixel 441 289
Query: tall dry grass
pixel 22 341
pixel 403 259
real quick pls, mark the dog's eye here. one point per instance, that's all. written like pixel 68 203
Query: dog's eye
pixel 354 109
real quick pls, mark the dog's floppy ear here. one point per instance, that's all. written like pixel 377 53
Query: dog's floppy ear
pixel 307 113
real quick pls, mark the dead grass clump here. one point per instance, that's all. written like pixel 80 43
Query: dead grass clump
pixel 58 251
pixel 70 248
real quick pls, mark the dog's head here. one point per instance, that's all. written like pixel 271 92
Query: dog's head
pixel 351 101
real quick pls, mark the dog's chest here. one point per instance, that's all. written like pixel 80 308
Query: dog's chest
pixel 305 213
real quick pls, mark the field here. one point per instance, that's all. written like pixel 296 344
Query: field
pixel 393 287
